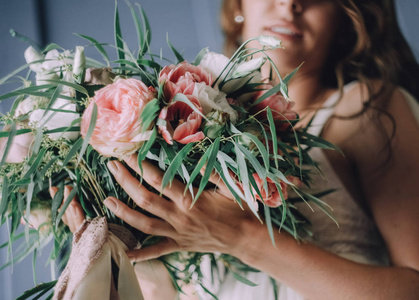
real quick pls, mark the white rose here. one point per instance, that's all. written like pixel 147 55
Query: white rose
pixel 211 99
pixel 54 119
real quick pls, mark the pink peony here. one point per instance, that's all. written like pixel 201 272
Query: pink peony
pixel 182 79
pixel 118 130
pixel 281 108
pixel 271 197
pixel 182 122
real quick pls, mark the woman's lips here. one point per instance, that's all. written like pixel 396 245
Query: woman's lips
pixel 285 32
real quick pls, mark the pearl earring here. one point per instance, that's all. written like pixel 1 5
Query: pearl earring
pixel 238 18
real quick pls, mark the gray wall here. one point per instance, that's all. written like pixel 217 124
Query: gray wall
pixel 191 24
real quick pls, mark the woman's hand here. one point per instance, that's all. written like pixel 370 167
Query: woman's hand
pixel 213 224
pixel 73 216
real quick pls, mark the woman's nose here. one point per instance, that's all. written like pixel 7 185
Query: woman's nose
pixel 293 6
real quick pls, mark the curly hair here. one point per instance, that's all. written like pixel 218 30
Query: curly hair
pixel 369 46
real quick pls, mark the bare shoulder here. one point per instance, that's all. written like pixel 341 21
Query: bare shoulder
pixel 383 145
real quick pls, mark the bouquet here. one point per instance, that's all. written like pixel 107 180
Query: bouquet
pixel 73 114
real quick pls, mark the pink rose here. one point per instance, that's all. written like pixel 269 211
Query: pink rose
pixel 271 197
pixel 182 122
pixel 182 79
pixel 281 108
pixel 118 130
pixel 20 148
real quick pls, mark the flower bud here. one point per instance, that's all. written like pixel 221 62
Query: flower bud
pixel 215 124
pixel 247 142
pixel 32 56
pixel 248 67
pixel 79 65
pixel 270 41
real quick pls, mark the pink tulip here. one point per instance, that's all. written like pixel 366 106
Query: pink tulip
pixel 182 122
pixel 182 79
pixel 271 197
pixel 281 108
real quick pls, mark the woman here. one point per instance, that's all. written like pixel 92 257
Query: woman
pixel 355 63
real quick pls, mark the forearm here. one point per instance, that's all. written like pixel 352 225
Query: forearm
pixel 318 274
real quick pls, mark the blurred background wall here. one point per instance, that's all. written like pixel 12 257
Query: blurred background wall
pixel 191 25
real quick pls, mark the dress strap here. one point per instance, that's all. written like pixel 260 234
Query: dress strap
pixel 324 113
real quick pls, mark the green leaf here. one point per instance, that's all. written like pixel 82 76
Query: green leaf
pixel 273 135
pixel 150 113
pixel 118 35
pixel 179 56
pixel 289 76
pixel 268 221
pixel 212 154
pixel 9 143
pixel 269 93
pixel 15 72
pixel 57 201
pixel 67 202
pixel 200 56
pixel 184 99
pixel 142 153
pixel 230 182
pixel 138 28
pixel 32 90
pixel 75 86
pixel 25 39
pixel 98 46
pixel 244 179
pixel 243 279
pixel 40 288
pixel 147 31
pixel 36 163
pixel 4 196
pixel 175 165
pixel 89 133
pixel 73 151
pixel 261 147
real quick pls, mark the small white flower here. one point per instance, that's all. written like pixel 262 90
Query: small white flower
pixel 214 63
pixel 211 99
pixel 270 41
pixel 31 56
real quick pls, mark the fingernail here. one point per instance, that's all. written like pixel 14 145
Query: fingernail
pixel 110 204
pixel 113 167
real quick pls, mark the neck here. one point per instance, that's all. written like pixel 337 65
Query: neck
pixel 306 90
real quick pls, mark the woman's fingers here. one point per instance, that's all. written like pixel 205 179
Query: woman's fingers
pixel 154 177
pixel 138 192
pixel 138 220
pixel 216 179
pixel 153 251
